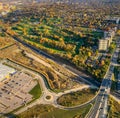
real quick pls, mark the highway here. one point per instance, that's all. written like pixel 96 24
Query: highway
pixel 100 108
pixel 82 76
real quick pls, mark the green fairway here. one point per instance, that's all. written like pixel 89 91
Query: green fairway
pixel 52 36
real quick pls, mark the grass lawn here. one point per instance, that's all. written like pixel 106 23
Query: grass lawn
pixel 36 91
pixel 76 98
pixel 114 83
pixel 47 111
pixel 114 111
pixel 114 79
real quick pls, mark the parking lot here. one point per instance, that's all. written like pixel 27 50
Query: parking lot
pixel 14 91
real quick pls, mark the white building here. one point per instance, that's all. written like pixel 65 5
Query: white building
pixel 107 40
pixel 103 44
pixel 5 71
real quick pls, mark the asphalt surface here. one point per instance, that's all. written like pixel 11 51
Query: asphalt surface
pixel 98 109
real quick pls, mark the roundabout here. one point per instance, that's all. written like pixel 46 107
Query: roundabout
pixel 48 97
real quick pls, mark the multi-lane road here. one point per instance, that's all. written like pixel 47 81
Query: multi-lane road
pixel 100 108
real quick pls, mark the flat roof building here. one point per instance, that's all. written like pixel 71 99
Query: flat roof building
pixel 107 39
pixel 103 44
pixel 5 71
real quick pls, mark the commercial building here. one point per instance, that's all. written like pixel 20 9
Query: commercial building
pixel 5 71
